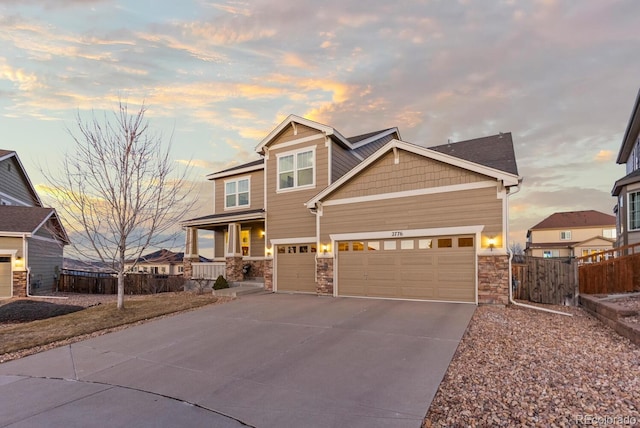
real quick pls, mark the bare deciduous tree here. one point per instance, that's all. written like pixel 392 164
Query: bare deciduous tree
pixel 119 189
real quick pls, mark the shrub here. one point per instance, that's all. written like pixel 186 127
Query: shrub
pixel 220 283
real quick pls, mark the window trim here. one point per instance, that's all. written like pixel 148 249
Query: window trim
pixel 295 154
pixel 629 214
pixel 237 180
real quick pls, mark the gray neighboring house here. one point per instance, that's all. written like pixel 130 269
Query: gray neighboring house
pixel 32 238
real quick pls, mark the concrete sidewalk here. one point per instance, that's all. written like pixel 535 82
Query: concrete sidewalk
pixel 267 360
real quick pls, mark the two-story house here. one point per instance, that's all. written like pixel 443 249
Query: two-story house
pixel 571 234
pixel 32 239
pixel 627 189
pixel 366 216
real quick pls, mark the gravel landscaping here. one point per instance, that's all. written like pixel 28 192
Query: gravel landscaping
pixel 522 367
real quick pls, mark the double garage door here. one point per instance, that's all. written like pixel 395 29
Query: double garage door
pixel 425 268
pixel 428 268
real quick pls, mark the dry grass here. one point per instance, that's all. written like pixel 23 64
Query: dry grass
pixel 27 335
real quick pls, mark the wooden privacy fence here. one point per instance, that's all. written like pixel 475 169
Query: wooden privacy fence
pixel 545 280
pixel 611 271
pixel 133 283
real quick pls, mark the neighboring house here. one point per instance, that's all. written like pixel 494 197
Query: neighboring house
pixel 627 189
pixel 32 239
pixel 571 234
pixel 366 216
pixel 162 262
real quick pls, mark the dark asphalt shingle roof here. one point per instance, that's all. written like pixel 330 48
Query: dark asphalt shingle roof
pixel 21 219
pixel 572 219
pixel 494 151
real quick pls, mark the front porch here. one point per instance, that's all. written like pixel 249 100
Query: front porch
pixel 239 248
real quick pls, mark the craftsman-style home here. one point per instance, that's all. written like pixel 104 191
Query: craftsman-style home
pixel 365 216
pixel 32 239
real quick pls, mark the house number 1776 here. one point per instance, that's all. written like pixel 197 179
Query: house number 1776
pixel 396 233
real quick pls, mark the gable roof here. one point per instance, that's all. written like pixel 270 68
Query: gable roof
pixel 255 165
pixel 575 219
pixel 17 220
pixel 508 178
pixel 495 151
pixel 632 131
pixel 6 154
pixel 348 143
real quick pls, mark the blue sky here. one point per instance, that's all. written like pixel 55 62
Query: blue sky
pixel 562 76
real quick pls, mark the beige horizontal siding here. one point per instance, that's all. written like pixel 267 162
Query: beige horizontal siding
pixel 412 173
pixel 453 209
pixel 287 217
pixel 11 244
pixel 256 192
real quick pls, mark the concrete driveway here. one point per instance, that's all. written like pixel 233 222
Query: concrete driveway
pixel 269 360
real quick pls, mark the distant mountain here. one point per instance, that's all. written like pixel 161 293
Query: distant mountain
pixel 84 265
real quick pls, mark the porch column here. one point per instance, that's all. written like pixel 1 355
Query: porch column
pixel 190 252
pixel 233 254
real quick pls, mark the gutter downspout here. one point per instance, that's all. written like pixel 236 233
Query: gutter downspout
pixel 511 300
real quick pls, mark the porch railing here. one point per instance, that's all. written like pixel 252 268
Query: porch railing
pixel 209 270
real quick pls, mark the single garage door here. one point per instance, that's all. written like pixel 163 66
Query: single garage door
pixel 296 268
pixel 5 276
pixel 427 268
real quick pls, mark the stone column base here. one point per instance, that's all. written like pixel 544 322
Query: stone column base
pixel 19 283
pixel 324 286
pixel 233 269
pixel 268 274
pixel 493 280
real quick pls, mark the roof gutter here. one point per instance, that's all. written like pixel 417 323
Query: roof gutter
pixel 511 299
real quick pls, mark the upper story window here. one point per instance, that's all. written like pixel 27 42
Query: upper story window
pixel 565 235
pixel 609 233
pixel 236 193
pixel 634 211
pixel 296 169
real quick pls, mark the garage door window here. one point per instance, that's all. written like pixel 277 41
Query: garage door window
pixel 343 246
pixel 424 244
pixel 390 245
pixel 373 245
pixel 291 249
pixel 465 242
pixel 445 243
pixel 358 246
pixel 407 244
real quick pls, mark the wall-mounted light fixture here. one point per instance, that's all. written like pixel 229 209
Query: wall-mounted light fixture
pixel 492 243
pixel 18 263
pixel 262 233
pixel 325 248
pixel 268 251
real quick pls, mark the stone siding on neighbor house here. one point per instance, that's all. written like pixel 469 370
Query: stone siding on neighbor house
pixel 187 262
pixel 324 285
pixel 493 280
pixel 268 274
pixel 19 284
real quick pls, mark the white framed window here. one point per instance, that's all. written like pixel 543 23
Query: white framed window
pixel 633 212
pixel 609 233
pixel 565 235
pixel 296 169
pixel 550 253
pixel 236 192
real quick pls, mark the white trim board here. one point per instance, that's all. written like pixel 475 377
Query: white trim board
pixel 410 193
pixel 300 240
pixel 410 233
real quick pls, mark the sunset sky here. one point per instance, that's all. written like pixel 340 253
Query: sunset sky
pixel 562 76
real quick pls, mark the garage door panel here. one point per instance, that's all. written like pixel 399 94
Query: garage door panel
pixel 409 269
pixel 5 276
pixel 296 269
